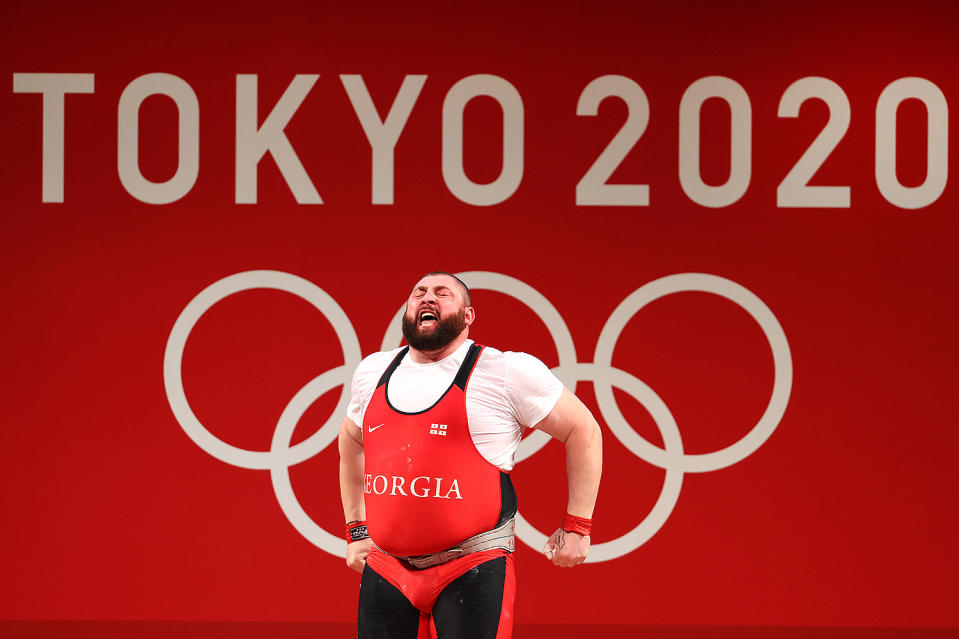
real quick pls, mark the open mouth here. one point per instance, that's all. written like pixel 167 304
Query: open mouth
pixel 428 318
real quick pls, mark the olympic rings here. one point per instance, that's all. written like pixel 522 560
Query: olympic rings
pixel 601 373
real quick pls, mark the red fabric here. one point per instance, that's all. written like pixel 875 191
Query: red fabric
pixel 427 487
pixel 422 587
pixel 579 525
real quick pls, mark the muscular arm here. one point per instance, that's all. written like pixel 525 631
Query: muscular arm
pixel 571 423
pixel 351 488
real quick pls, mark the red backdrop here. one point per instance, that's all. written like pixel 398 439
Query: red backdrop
pixel 844 515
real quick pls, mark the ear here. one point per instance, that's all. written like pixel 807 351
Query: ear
pixel 470 315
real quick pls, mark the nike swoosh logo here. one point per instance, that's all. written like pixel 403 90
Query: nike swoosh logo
pixel 372 428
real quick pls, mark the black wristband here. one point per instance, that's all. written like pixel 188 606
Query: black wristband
pixel 356 532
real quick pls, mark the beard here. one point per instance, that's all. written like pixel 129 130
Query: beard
pixel 446 330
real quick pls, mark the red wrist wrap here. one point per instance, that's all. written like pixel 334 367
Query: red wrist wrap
pixel 355 531
pixel 579 525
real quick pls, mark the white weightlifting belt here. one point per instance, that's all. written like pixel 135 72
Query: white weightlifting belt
pixel 503 537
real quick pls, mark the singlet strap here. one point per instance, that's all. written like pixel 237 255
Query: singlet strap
pixel 462 375
pixel 392 367
pixel 466 369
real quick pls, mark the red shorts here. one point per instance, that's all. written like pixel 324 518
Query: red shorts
pixel 484 585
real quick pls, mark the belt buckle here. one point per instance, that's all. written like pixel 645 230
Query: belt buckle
pixel 422 562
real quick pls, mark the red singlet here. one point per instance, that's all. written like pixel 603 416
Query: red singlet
pixel 427 488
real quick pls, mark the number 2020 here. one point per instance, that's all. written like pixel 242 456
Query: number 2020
pixel 794 190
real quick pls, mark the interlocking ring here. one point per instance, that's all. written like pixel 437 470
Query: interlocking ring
pixel 600 372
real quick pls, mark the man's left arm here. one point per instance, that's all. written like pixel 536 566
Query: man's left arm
pixel 571 423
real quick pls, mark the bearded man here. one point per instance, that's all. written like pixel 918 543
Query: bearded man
pixel 425 454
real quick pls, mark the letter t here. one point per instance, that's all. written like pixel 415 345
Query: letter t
pixel 54 87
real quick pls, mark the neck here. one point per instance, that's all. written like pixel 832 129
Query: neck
pixel 427 357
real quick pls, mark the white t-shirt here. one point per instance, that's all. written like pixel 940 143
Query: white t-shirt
pixel 506 392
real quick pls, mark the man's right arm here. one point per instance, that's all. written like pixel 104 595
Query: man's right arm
pixel 351 488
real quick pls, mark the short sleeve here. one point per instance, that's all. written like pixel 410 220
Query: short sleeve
pixel 359 398
pixel 531 388
pixel 364 383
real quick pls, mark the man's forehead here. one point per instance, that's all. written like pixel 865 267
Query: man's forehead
pixel 436 281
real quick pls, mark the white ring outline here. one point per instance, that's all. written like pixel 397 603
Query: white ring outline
pixel 173 362
pixel 671 458
pixel 782 370
pixel 280 474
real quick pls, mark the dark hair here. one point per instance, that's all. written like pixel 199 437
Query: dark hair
pixel 466 289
